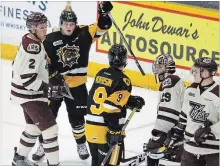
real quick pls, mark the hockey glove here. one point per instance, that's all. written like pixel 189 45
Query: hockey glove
pixel 202 133
pixel 135 102
pixel 104 7
pixel 114 137
pixel 55 78
pixel 54 91
pixel 155 142
pixel 175 136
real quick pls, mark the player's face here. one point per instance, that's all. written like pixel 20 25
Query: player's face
pixel 68 28
pixel 41 31
pixel 195 71
pixel 158 68
pixel 199 73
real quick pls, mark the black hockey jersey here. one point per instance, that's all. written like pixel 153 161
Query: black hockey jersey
pixel 69 55
pixel 106 103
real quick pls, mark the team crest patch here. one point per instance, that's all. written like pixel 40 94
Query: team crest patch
pixel 127 81
pixel 167 82
pixel 32 47
pixel 68 55
pixel 197 112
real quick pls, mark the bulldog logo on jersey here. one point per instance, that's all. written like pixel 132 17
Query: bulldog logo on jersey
pixel 197 113
pixel 68 55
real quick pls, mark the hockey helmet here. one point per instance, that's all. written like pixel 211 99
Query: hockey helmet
pixel 163 64
pixel 206 63
pixel 34 19
pixel 68 16
pixel 117 55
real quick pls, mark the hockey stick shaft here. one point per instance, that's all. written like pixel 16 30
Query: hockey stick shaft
pixel 145 154
pixel 126 43
pixel 123 129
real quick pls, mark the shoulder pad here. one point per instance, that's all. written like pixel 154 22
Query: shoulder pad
pixel 30 45
pixel 216 91
pixel 169 82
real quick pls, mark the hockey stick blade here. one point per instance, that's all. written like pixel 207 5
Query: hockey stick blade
pixel 66 92
pixel 126 43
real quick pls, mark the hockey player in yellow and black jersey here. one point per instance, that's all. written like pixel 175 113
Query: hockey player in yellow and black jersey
pixel 68 51
pixel 107 102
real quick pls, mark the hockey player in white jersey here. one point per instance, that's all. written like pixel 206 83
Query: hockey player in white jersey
pixel 29 89
pixel 171 94
pixel 199 118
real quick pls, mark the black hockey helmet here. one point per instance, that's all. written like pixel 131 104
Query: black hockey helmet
pixel 68 16
pixel 34 19
pixel 117 55
pixel 206 63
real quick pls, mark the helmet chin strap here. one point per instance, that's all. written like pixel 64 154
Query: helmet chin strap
pixel 210 75
pixel 35 34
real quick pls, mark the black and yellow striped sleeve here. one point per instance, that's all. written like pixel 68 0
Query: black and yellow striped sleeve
pixel 119 98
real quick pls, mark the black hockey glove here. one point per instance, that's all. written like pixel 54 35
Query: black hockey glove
pixel 114 137
pixel 55 78
pixel 175 135
pixel 54 91
pixel 202 133
pixel 155 142
pixel 105 7
pixel 135 102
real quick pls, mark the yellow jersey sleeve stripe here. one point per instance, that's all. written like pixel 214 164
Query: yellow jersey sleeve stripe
pixel 118 98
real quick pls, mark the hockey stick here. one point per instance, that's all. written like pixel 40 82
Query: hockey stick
pixel 141 157
pixel 123 129
pixel 126 43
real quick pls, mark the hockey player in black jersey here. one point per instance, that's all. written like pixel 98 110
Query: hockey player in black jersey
pixel 171 94
pixel 201 106
pixel 108 99
pixel 68 52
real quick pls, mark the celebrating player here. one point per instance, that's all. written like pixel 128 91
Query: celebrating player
pixel 68 50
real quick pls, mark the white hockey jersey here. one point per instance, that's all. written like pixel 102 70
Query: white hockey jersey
pixel 29 71
pixel 197 109
pixel 171 93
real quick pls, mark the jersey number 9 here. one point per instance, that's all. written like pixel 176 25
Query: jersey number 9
pixel 99 97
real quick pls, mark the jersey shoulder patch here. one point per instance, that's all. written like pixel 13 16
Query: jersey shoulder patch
pixel 169 82
pixel 216 91
pixel 127 81
pixel 30 45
